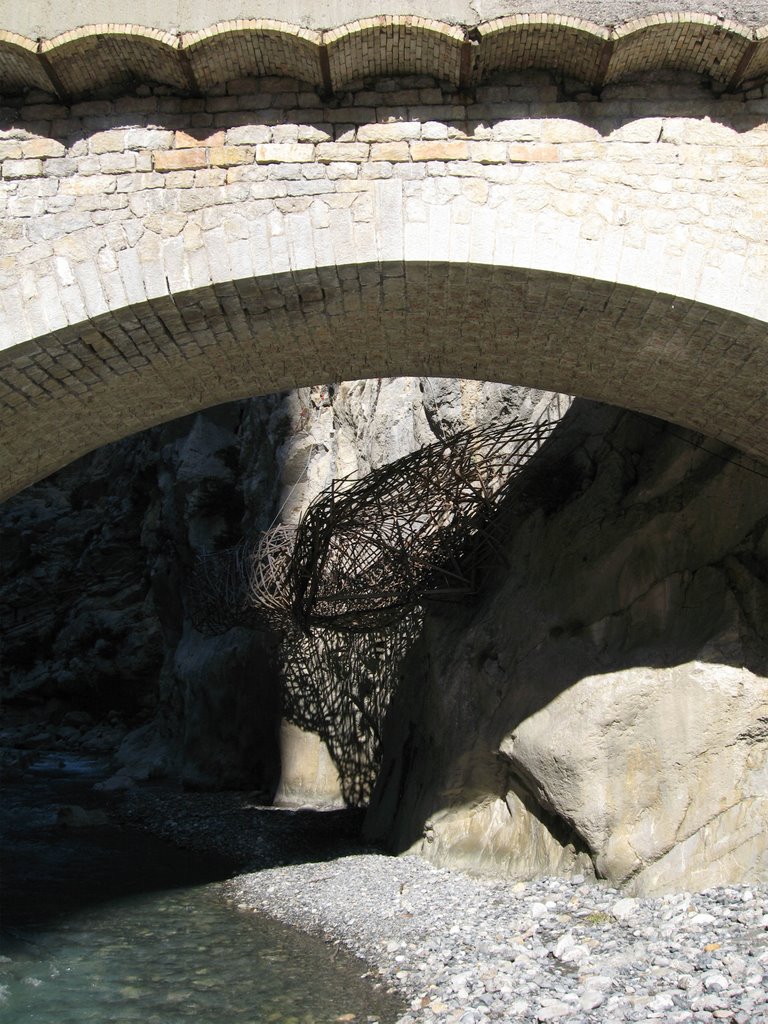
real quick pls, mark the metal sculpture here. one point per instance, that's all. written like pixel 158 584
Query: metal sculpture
pixel 368 551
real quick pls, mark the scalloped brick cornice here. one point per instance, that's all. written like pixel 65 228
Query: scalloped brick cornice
pixel 108 58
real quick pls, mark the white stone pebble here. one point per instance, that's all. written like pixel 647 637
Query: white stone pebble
pixel 466 950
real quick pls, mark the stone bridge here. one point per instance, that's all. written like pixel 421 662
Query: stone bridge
pixel 193 214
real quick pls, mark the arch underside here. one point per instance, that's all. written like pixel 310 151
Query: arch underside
pixel 108 58
pixel 73 390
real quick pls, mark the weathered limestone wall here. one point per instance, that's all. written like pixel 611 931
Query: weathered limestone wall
pixel 161 254
pixel 604 706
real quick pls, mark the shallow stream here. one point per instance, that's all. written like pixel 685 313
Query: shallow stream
pixel 107 925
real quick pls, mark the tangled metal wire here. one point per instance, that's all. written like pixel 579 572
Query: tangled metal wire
pixel 269 568
pixel 218 596
pixel 368 551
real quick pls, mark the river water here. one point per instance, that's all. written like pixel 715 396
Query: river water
pixel 107 926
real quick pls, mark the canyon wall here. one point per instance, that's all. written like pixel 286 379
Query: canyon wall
pixel 604 707
pixel 601 708
pixel 97 571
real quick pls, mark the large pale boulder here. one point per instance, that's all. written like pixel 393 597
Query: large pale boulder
pixel 663 772
pixel 307 772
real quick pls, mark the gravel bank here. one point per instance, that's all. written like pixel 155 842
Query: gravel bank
pixel 465 950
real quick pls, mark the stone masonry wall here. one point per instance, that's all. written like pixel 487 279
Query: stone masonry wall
pixel 163 253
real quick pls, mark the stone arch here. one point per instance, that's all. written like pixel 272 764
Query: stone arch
pixel 161 254
pixel 111 57
pixel 251 48
pixel 520 41
pixel 394 45
pixel 166 355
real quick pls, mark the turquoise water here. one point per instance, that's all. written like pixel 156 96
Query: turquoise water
pixel 101 925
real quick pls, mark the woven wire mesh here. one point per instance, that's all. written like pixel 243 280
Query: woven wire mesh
pixel 367 551
pixel 217 597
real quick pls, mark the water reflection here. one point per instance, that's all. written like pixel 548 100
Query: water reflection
pixel 100 925
pixel 180 956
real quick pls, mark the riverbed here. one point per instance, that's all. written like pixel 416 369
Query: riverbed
pixel 104 922
pixel 459 949
pixel 475 950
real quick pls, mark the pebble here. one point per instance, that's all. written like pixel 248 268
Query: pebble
pixel 474 950
pixel 471 950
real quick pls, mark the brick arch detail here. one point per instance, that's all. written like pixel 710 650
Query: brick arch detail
pixel 109 57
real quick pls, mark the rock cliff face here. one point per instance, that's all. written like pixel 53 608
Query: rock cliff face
pixel 97 559
pixel 78 626
pixel 603 707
